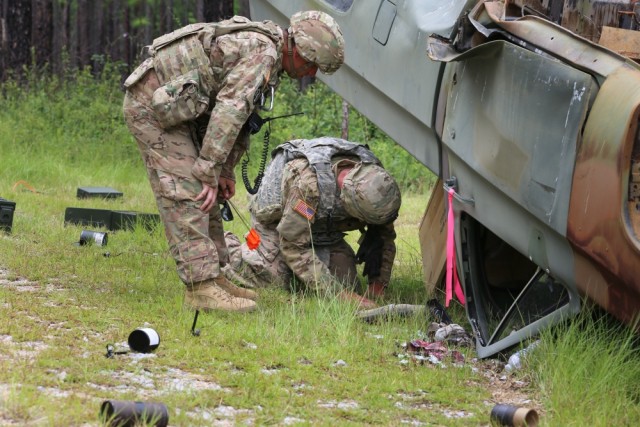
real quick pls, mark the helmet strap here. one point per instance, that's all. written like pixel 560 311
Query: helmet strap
pixel 290 44
pixel 341 169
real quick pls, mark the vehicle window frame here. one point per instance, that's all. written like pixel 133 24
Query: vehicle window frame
pixel 339 5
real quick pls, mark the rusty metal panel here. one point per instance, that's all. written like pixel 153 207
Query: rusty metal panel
pixel 556 41
pixel 515 117
pixel 600 223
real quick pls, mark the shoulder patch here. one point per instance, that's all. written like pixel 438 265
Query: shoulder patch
pixel 304 209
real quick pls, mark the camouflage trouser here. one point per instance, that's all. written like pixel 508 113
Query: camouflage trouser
pixel 196 239
pixel 262 267
pixel 265 266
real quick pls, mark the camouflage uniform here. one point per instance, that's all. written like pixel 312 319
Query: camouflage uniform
pixel 302 240
pixel 243 64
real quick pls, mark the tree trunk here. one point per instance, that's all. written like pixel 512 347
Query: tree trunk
pixel 58 34
pixel 305 82
pixel 116 37
pixel 168 16
pixel 4 41
pixel 42 31
pixel 200 10
pixel 243 8
pixel 345 120
pixel 218 10
pixel 83 23
pixel 186 8
pixel 73 34
pixel 97 37
pixel 16 34
pixel 128 54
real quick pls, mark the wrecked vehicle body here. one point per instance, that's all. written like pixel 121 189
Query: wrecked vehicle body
pixel 533 124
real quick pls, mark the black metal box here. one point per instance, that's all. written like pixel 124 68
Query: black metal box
pixel 112 220
pixel 88 217
pixel 6 214
pixel 103 192
pixel 126 220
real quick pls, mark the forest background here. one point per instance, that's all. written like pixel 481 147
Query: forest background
pixel 43 39
pixel 66 34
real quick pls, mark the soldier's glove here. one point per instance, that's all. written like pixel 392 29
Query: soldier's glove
pixel 370 252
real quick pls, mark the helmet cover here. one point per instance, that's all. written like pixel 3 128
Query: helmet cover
pixel 318 39
pixel 370 194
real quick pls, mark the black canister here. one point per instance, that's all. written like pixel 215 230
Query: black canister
pixel 124 413
pixel 144 340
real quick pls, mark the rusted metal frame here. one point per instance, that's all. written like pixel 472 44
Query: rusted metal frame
pixel 556 41
pixel 598 224
pixel 537 35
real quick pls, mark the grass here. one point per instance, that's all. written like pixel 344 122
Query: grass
pixel 596 361
pixel 281 361
pixel 296 360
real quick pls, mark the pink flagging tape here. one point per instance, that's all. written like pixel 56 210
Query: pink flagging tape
pixel 452 283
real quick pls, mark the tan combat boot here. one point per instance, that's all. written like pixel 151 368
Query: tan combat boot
pixel 234 290
pixel 207 295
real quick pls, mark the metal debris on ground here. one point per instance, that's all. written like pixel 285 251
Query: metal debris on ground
pixel 450 333
pixel 421 351
pixel 434 345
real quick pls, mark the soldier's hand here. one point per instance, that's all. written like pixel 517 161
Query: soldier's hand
pixel 208 196
pixel 370 252
pixel 227 188
pixel 372 264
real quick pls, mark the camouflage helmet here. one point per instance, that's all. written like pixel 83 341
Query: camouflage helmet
pixel 318 39
pixel 370 194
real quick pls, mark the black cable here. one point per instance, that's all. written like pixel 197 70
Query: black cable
pixel 254 124
pixel 263 162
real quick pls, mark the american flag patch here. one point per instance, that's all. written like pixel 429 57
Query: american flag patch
pixel 304 209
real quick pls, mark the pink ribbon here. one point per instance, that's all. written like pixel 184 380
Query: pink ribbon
pixel 452 283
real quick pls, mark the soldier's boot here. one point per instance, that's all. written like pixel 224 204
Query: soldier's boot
pixel 207 295
pixel 234 290
pixel 375 290
pixel 363 303
pixel 236 277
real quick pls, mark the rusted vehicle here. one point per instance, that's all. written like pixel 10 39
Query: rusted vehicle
pixel 528 111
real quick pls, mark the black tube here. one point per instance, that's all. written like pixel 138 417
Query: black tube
pixel 514 416
pixel 89 237
pixel 144 340
pixel 121 413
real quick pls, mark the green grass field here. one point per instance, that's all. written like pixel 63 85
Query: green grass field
pixel 297 360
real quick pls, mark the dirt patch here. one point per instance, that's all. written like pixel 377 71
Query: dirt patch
pixel 26 350
pixel 149 384
pixel 504 387
pixel 22 284
pixel 222 416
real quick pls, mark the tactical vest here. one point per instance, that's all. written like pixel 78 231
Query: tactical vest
pixel 187 48
pixel 266 205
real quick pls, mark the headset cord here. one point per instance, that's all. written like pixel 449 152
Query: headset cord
pixel 263 162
